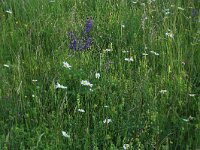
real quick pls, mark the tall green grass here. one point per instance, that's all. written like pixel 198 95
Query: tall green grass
pixel 153 101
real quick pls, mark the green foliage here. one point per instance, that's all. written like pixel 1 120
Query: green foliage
pixel 147 54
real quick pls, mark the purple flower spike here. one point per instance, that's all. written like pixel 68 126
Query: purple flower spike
pixel 87 44
pixel 73 41
pixel 88 26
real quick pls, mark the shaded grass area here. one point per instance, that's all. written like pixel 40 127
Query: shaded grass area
pixel 152 101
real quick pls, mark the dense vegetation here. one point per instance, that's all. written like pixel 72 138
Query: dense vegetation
pixel 136 85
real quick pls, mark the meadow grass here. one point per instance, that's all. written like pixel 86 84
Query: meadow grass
pixel 147 55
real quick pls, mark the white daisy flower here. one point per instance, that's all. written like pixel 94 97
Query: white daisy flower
pixel 66 65
pixel 126 146
pixel 86 83
pixel 192 95
pixel 5 65
pixel 107 121
pixel 145 54
pixel 163 91
pixel 59 86
pixel 129 59
pixel 81 110
pixel 97 75
pixel 180 8
pixel 108 50
pixel 65 134
pixel 125 51
pixel 9 11
pixel 169 34
pixel 155 53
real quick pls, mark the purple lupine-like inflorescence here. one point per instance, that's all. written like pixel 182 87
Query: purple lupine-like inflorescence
pixel 88 25
pixel 77 43
pixel 87 44
pixel 73 41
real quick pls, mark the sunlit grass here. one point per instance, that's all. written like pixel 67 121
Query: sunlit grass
pixel 136 87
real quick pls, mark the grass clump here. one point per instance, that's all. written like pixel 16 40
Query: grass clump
pixel 134 86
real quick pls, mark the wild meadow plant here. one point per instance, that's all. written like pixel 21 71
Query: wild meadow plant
pixel 83 42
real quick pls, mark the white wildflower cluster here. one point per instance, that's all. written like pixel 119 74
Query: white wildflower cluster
pixel 125 51
pixel 129 59
pixel 97 75
pixel 192 95
pixel 163 91
pixel 169 34
pixel 145 54
pixel 5 65
pixel 9 11
pixel 81 110
pixel 65 134
pixel 66 65
pixel 107 121
pixel 86 83
pixel 126 146
pixel 108 50
pixel 155 53
pixel 180 8
pixel 59 86
pixel 166 11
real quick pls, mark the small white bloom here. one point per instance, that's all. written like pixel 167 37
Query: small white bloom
pixel 155 53
pixel 183 63
pixel 81 110
pixel 169 34
pixel 33 95
pixel 145 54
pixel 107 50
pixel 163 91
pixel 125 51
pixel 129 59
pixel 123 26
pixel 97 75
pixel 59 86
pixel 86 83
pixel 166 11
pixel 106 106
pixel 5 65
pixel 107 121
pixel 65 134
pixel 34 80
pixel 186 120
pixel 192 95
pixel 180 8
pixel 66 65
pixel 91 90
pixel 126 146
pixel 9 11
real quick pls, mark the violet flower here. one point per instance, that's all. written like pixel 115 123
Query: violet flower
pixel 88 26
pixel 77 43
pixel 87 44
pixel 73 41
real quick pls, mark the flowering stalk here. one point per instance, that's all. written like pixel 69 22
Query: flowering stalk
pixel 78 44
